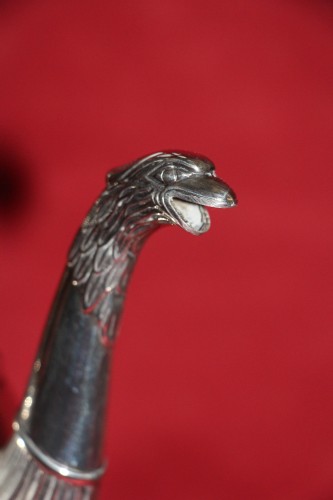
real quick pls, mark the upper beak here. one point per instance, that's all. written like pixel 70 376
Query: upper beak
pixel 204 190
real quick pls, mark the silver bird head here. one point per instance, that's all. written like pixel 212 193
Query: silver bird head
pixel 179 186
pixel 162 188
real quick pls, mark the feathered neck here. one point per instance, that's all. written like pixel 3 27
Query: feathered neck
pixel 105 250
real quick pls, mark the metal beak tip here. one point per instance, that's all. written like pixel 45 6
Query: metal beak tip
pixel 231 199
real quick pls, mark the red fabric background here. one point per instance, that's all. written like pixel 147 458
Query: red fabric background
pixel 223 375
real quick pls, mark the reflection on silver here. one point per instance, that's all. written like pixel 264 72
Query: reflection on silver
pixel 56 447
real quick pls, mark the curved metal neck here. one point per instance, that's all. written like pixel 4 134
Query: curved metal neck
pixel 64 409
pixel 63 413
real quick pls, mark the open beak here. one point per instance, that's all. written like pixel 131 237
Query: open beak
pixel 187 200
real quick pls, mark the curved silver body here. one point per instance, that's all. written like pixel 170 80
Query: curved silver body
pixel 56 448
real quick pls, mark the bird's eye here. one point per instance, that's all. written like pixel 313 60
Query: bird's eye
pixel 170 174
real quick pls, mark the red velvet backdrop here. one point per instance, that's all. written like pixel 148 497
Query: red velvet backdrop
pixel 222 384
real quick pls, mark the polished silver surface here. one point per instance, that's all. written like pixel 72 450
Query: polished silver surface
pixel 61 423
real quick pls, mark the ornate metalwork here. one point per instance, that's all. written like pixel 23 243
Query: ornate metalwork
pixel 58 434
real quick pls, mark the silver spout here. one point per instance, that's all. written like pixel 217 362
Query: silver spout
pixel 57 443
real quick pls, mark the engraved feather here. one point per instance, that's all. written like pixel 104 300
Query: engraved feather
pixel 100 257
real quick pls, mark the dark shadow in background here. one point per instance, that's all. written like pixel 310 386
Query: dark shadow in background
pixel 16 192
